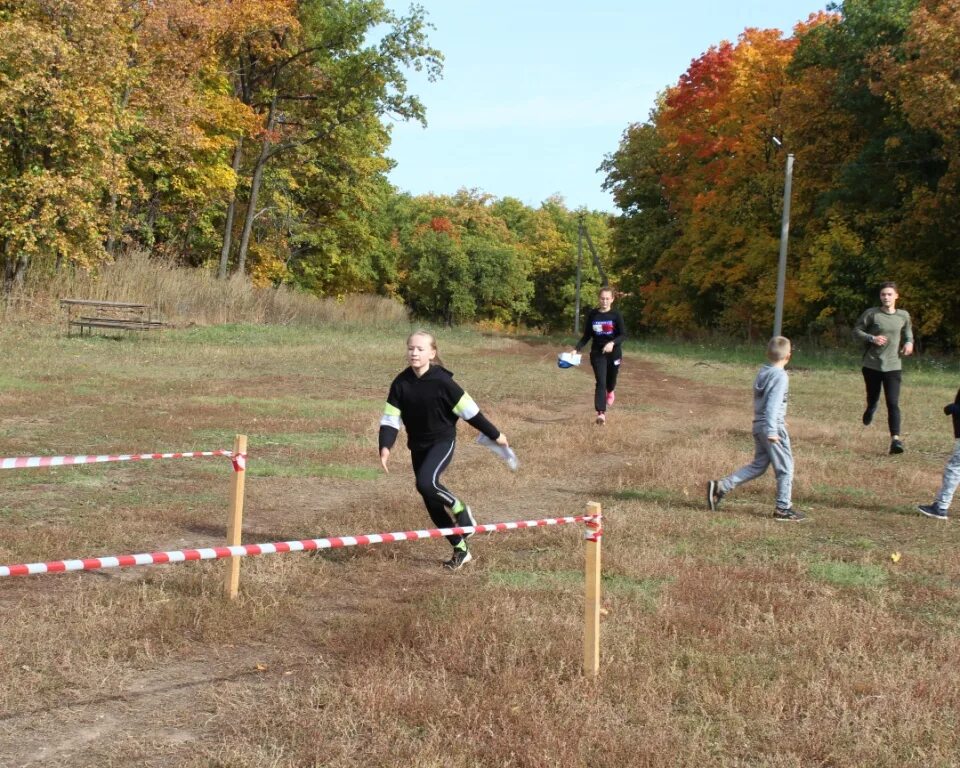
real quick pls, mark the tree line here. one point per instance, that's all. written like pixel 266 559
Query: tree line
pixel 866 97
pixel 250 137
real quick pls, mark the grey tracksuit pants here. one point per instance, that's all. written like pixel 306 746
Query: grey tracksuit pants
pixel 951 479
pixel 765 454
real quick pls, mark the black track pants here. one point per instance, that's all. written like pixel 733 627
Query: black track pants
pixel 605 370
pixel 889 381
pixel 428 465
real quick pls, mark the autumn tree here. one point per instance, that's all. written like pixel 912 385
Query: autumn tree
pixel 699 189
pixel 320 96
pixel 920 80
pixel 62 63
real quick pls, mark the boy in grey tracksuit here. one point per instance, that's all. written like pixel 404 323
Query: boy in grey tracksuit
pixel 951 472
pixel 770 438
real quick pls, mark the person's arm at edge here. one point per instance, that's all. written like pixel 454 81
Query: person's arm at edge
pixel 859 328
pixel 587 334
pixel 389 428
pixel 468 410
pixel 773 405
pixel 908 337
pixel 621 329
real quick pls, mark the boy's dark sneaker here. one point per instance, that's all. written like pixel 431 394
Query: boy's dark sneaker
pixel 790 515
pixel 896 446
pixel 868 415
pixel 714 495
pixel 460 558
pixel 465 519
pixel 932 510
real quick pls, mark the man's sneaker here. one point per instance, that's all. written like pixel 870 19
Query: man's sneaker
pixel 932 510
pixel 460 558
pixel 868 415
pixel 714 495
pixel 896 446
pixel 601 418
pixel 611 396
pixel 790 515
pixel 465 519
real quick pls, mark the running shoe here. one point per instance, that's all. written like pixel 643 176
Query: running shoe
pixel 932 510
pixel 790 515
pixel 714 495
pixel 460 558
pixel 611 396
pixel 601 418
pixel 896 446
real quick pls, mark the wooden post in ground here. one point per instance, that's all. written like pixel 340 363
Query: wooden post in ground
pixel 591 608
pixel 235 524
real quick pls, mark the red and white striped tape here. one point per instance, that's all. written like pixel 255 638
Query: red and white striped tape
pixel 594 528
pixel 29 462
pixel 245 550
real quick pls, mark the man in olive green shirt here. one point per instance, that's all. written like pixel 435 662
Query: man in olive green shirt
pixel 884 330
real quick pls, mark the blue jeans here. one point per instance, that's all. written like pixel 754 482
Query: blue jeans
pixel 951 479
pixel 765 454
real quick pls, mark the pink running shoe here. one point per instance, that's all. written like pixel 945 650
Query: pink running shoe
pixel 611 396
pixel 601 418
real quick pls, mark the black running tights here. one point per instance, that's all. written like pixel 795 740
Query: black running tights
pixel 605 370
pixel 889 381
pixel 428 464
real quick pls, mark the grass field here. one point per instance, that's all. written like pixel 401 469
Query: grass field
pixel 728 639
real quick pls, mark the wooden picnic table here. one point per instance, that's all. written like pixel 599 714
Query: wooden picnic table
pixel 115 315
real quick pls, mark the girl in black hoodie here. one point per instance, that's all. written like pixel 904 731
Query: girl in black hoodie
pixel 428 402
pixel 605 332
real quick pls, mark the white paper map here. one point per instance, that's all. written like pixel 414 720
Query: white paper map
pixel 503 451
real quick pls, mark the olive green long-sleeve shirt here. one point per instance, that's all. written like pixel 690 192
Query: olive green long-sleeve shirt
pixel 895 326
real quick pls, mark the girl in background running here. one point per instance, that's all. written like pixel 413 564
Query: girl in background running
pixel 428 402
pixel 606 330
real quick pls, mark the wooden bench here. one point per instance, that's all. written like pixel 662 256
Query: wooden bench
pixel 110 315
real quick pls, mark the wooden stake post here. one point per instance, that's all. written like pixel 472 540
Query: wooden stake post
pixel 591 608
pixel 235 525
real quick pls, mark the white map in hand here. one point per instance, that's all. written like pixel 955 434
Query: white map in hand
pixel 503 451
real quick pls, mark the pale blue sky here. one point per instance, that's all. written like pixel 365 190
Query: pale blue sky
pixel 536 92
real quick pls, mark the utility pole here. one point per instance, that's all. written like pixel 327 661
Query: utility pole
pixel 582 232
pixel 576 305
pixel 784 237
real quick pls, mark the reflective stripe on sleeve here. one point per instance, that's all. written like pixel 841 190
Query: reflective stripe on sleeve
pixel 391 416
pixel 466 409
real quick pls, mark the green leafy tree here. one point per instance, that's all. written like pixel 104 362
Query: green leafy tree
pixel 320 97
pixel 61 66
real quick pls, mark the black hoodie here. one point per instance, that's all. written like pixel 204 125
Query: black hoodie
pixel 953 409
pixel 429 406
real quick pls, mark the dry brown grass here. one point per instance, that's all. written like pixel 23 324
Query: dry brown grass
pixel 190 297
pixel 728 639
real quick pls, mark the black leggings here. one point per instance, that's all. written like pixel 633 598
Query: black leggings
pixel 605 370
pixel 890 382
pixel 428 464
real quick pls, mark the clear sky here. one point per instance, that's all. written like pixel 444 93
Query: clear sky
pixel 536 92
